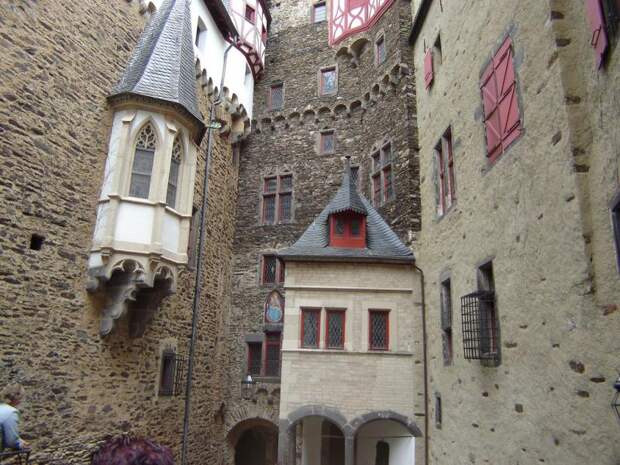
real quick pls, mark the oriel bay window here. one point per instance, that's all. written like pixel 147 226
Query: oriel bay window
pixel 379 330
pixel 381 177
pixel 310 327
pixel 277 199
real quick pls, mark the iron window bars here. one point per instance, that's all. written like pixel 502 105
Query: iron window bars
pixel 172 370
pixel 480 326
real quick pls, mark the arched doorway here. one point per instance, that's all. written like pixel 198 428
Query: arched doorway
pixel 384 442
pixel 254 442
pixel 318 441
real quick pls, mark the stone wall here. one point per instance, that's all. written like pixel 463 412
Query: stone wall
pixel 373 104
pixel 54 127
pixel 533 213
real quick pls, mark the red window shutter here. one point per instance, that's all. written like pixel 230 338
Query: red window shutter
pixel 509 115
pixel 428 68
pixel 491 114
pixel 597 25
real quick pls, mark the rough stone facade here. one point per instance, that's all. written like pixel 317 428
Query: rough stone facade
pixel 374 104
pixel 54 127
pixel 541 213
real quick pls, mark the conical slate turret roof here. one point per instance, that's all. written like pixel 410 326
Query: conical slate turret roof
pixel 162 64
pixel 382 244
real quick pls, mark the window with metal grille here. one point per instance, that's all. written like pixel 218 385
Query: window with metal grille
pixel 327 142
pixel 502 115
pixel 446 321
pixel 142 166
pixel 334 329
pixel 310 327
pixel 380 51
pixel 438 412
pixel 272 354
pixel 328 81
pixel 479 325
pixel 379 329
pixel 171 374
pixel 173 176
pixel 381 177
pixel 276 96
pixel 615 218
pixel 319 12
pixel 277 199
pixel 445 187
pixel 255 356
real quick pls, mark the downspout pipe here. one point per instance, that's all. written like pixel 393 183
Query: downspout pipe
pixel 198 280
pixel 425 364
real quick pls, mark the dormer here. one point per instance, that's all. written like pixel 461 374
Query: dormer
pixel 347 229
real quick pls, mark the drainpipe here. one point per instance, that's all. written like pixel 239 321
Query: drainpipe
pixel 198 280
pixel 425 356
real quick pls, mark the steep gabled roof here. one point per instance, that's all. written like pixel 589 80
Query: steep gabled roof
pixel 162 64
pixel 382 244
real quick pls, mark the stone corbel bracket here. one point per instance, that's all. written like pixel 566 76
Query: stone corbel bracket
pixel 130 287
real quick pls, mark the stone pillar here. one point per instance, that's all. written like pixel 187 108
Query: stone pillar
pixel 286 444
pixel 349 450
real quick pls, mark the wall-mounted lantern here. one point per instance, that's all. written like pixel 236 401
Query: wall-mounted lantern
pixel 247 387
pixel 615 403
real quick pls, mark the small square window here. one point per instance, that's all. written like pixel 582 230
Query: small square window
pixel 329 81
pixel 319 12
pixel 250 14
pixel 327 142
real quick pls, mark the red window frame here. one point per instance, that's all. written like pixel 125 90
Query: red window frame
pixel 328 313
pixel 599 40
pixel 252 355
pixel 382 177
pixel 386 313
pixel 318 329
pixel 250 14
pixel 278 276
pixel 277 194
pixel 347 238
pixel 272 340
pixel 502 112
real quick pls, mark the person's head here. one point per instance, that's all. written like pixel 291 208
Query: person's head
pixel 126 450
pixel 13 394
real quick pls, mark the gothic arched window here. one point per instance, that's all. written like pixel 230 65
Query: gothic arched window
pixel 173 177
pixel 142 167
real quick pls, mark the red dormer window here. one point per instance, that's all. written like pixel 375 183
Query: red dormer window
pixel 347 229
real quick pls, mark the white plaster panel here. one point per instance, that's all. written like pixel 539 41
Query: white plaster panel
pixel 102 220
pixel 135 223
pixel 171 231
pixel 402 444
pixel 110 164
pixel 311 451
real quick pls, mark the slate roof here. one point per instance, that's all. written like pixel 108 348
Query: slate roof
pixel 162 64
pixel 382 244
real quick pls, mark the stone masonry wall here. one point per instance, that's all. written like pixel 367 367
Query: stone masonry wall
pixel 60 59
pixel 373 104
pixel 548 400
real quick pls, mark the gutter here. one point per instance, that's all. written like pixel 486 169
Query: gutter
pixel 425 356
pixel 198 280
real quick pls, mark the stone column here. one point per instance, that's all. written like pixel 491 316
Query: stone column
pixel 349 450
pixel 286 444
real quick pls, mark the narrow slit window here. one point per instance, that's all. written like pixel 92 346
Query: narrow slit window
pixel 168 369
pixel 446 321
pixel 615 218
pixel 142 167
pixel 380 51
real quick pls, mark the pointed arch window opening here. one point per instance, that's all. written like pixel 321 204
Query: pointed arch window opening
pixel 142 167
pixel 173 177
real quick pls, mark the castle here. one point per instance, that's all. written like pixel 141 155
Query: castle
pixel 322 232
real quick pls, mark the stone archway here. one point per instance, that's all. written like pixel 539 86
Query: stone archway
pixel 253 441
